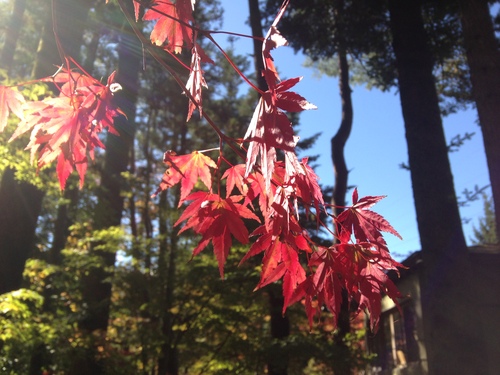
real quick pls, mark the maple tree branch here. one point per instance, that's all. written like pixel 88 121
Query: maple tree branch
pixel 233 65
pixel 208 35
pixel 152 51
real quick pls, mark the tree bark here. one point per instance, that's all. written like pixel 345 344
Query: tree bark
pixel 256 26
pixel 449 336
pixel 168 361
pixel 20 205
pixel 483 57
pixel 340 138
pixel 12 35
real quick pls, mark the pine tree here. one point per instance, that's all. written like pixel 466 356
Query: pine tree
pixel 485 233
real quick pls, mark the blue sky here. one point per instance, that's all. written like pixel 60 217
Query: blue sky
pixel 377 144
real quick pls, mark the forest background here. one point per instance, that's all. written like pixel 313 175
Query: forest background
pixel 169 315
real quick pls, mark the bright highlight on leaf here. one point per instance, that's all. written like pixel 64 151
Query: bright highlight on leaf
pixel 11 100
pixel 186 169
pixel 172 26
pixel 67 127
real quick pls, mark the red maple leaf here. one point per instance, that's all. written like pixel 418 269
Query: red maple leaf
pixel 288 100
pixel 217 220
pixel 364 224
pixel 307 187
pixel 273 40
pixel 270 128
pixel 67 127
pixel 281 257
pixel 322 288
pixel 11 100
pixel 186 169
pixel 196 80
pixel 173 25
pixel 236 178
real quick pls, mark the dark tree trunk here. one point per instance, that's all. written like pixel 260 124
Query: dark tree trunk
pixel 256 26
pixel 168 362
pixel 14 27
pixel 280 330
pixel 20 205
pixel 449 335
pixel 64 219
pixel 483 57
pixel 67 27
pixel 340 138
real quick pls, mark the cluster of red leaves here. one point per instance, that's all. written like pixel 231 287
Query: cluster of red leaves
pixel 309 272
pixel 65 127
pixel 173 31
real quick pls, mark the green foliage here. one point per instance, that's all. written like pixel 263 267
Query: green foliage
pixel 485 233
pixel 22 328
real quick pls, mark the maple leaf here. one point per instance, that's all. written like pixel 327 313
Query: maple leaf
pixel 137 9
pixel 217 220
pixel 273 40
pixel 67 127
pixel 288 100
pixel 322 288
pixel 11 100
pixel 270 128
pixel 307 187
pixel 236 178
pixel 196 81
pixel 281 258
pixel 173 24
pixel 365 224
pixel 186 169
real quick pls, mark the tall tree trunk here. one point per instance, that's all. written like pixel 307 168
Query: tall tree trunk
pixel 14 27
pixel 483 57
pixel 96 290
pixel 256 26
pixel 340 138
pixel 280 323
pixel 67 27
pixel 168 361
pixel 20 205
pixel 449 335
pixel 64 219
pixel 17 237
